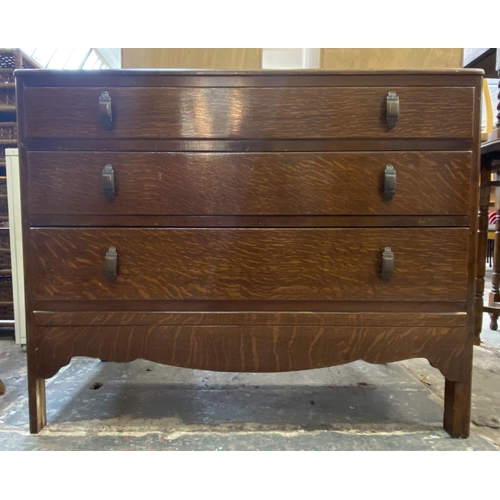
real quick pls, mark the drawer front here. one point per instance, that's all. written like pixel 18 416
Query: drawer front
pixel 258 113
pixel 250 264
pixel 427 183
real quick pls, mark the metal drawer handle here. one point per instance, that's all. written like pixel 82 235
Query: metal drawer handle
pixel 110 264
pixel 387 264
pixel 392 109
pixel 105 113
pixel 389 182
pixel 108 182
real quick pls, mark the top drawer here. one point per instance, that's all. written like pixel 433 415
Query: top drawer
pixel 249 112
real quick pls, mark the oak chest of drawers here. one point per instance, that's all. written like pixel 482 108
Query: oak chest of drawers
pixel 250 221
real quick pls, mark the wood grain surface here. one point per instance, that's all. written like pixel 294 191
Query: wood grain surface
pixel 343 145
pixel 287 112
pixel 270 221
pixel 249 183
pixel 249 264
pixel 250 349
pixel 344 306
pixel 302 318
pixel 196 78
pixel 263 251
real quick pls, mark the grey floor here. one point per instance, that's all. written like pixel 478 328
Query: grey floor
pixel 141 405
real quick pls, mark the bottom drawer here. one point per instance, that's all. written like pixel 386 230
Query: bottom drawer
pixel 272 343
pixel 317 264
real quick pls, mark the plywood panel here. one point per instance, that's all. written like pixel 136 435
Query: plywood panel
pixel 192 58
pixel 366 59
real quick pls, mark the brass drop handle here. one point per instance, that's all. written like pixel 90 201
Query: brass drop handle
pixel 387 264
pixel 392 115
pixel 108 182
pixel 105 113
pixel 110 264
pixel 389 182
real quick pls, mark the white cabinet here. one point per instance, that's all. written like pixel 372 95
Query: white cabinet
pixel 16 242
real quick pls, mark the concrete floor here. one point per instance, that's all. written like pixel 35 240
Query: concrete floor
pixel 141 405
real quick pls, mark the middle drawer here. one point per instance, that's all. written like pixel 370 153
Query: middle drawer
pixel 427 183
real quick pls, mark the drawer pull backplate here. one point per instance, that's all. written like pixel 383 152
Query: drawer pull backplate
pixel 387 264
pixel 392 109
pixel 108 182
pixel 105 113
pixel 389 182
pixel 110 264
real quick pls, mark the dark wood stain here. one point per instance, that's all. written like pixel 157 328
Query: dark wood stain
pixel 249 184
pixel 249 221
pixel 249 264
pixel 237 79
pixel 249 145
pixel 341 306
pixel 253 318
pixel 260 348
pixel 279 112
pixel 231 221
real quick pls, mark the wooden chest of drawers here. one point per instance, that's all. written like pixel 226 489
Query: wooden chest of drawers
pixel 250 221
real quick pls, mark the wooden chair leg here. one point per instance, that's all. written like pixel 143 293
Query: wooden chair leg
pixel 457 405
pixel 37 405
pixel 495 277
pixel 493 321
